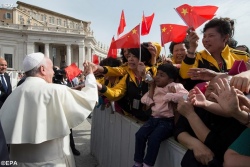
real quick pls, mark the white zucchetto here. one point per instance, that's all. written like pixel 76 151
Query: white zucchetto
pixel 32 60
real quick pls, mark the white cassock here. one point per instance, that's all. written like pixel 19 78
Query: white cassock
pixel 37 118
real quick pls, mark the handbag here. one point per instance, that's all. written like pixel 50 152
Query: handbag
pixel 238 67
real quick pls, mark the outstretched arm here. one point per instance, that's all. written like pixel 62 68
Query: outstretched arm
pixel 201 152
pixel 186 109
pixel 233 104
pixel 198 99
pixel 202 74
pixel 241 81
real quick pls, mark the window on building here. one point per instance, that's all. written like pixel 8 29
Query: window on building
pixel 21 19
pixel 28 21
pixel 41 48
pixel 8 58
pixel 7 15
pixel 34 16
pixel 42 17
pixel 51 20
pixel 59 22
pixel 37 16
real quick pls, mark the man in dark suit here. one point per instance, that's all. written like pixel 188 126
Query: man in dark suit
pixel 5 85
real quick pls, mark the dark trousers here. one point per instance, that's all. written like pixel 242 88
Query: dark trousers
pixel 72 143
pixel 153 132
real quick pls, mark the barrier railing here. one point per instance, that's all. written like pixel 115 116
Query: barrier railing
pixel 113 141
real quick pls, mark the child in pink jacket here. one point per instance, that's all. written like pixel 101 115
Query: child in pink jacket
pixel 159 127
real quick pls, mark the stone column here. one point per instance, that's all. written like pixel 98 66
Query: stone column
pixel 46 50
pixel 68 56
pixel 30 47
pixel 89 56
pixel 81 58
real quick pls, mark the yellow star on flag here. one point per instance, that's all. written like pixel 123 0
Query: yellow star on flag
pixel 164 29
pixel 184 11
pixel 134 31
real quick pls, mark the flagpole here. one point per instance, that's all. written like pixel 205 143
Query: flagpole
pixel 165 50
pixel 162 44
pixel 140 36
pixel 140 42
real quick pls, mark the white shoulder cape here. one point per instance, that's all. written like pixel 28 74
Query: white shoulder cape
pixel 38 111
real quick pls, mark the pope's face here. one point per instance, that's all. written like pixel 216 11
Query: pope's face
pixel 49 71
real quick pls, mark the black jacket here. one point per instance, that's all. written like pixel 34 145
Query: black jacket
pixel 223 131
pixel 4 95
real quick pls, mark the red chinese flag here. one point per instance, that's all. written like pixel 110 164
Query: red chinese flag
pixel 122 24
pixel 129 40
pixel 112 52
pixel 72 71
pixel 146 24
pixel 95 59
pixel 173 33
pixel 194 16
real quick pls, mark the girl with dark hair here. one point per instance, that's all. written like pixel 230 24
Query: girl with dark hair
pixel 160 125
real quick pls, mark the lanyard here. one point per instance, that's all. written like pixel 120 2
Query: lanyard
pixel 222 66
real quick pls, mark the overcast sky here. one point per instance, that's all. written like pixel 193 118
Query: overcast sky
pixel 104 15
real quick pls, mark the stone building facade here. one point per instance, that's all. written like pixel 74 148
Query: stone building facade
pixel 27 28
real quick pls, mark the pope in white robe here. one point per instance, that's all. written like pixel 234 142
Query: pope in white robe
pixel 38 115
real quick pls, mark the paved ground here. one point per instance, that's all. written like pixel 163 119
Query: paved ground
pixel 82 134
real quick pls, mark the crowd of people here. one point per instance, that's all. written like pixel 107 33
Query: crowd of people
pixel 200 125
pixel 190 96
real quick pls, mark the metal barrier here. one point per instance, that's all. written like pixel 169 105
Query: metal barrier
pixel 113 141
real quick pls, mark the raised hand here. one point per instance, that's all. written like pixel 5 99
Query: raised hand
pixel 227 97
pixel 196 97
pixel 193 40
pixel 88 68
pixel 142 69
pixel 171 89
pixel 185 108
pixel 241 81
pixel 244 102
pixel 201 74
pixel 202 153
pixel 152 49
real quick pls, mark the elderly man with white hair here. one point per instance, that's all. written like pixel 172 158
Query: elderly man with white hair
pixel 38 115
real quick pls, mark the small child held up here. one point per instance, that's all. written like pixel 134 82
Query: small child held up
pixel 160 126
